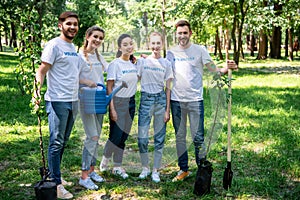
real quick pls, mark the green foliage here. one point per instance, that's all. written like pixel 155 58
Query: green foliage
pixel 88 12
pixel 29 53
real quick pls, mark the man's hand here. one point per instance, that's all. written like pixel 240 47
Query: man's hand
pixel 231 64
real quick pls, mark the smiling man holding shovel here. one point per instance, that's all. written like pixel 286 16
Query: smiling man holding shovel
pixel 188 61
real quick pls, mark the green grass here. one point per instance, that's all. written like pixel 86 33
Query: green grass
pixel 265 142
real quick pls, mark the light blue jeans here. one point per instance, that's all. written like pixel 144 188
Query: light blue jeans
pixel 61 117
pixel 195 112
pixel 92 124
pixel 152 105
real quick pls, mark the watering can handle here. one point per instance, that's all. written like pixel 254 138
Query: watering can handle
pixel 100 84
pixel 124 84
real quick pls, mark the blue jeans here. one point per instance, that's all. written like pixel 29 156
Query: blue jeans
pixel 120 129
pixel 195 112
pixel 152 105
pixel 61 117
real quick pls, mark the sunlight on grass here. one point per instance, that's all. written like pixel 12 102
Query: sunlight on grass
pixel 271 80
pixel 265 142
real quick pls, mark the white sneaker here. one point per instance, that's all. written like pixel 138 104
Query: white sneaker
pixel 62 193
pixel 120 172
pixel 155 177
pixel 94 176
pixel 65 183
pixel 88 183
pixel 104 164
pixel 144 173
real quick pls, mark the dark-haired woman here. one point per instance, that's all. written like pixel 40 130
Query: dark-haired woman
pixel 122 107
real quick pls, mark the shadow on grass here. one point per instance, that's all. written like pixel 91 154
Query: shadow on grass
pixel 265 159
pixel 267 171
pixel 8 60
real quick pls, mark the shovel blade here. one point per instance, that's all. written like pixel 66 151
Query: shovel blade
pixel 227 178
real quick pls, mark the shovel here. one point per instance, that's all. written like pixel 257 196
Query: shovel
pixel 228 173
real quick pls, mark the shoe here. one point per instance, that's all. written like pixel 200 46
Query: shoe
pixel 181 175
pixel 65 183
pixel 155 177
pixel 88 183
pixel 62 193
pixel 94 176
pixel 104 164
pixel 120 172
pixel 144 173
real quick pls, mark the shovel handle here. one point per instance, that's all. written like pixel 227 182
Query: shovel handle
pixel 229 117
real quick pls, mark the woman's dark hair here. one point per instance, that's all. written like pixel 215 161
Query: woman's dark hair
pixel 119 53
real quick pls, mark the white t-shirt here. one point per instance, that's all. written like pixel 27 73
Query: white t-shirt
pixel 63 76
pixel 95 68
pixel 188 72
pixel 154 72
pixel 120 70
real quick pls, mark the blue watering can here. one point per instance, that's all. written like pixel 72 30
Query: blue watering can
pixel 95 100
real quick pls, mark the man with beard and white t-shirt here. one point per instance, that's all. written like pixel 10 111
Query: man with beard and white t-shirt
pixel 62 66
pixel 188 61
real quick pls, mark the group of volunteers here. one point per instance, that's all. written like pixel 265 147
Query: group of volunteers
pixel 172 84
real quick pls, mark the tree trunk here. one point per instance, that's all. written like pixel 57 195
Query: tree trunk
pixel 290 36
pixel 1 48
pixel 145 23
pixel 234 26
pixel 252 43
pixel 164 35
pixel 263 40
pixel 6 37
pixel 240 30
pixel 227 45
pixel 107 47
pixel 286 43
pixel 218 44
pixel 276 43
pixel 13 36
pixel 263 46
pixel 276 36
pixel 216 47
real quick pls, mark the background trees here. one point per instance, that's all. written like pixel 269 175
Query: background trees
pixel 263 25
pixel 268 22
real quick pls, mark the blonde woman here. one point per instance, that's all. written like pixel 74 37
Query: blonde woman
pixel 156 75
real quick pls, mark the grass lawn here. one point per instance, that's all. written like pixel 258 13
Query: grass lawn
pixel 265 142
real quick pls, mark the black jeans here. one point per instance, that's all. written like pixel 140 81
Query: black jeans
pixel 120 129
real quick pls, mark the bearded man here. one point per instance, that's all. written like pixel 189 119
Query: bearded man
pixel 62 66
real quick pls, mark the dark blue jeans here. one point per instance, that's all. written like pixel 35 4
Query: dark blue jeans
pixel 195 112
pixel 61 117
pixel 120 129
